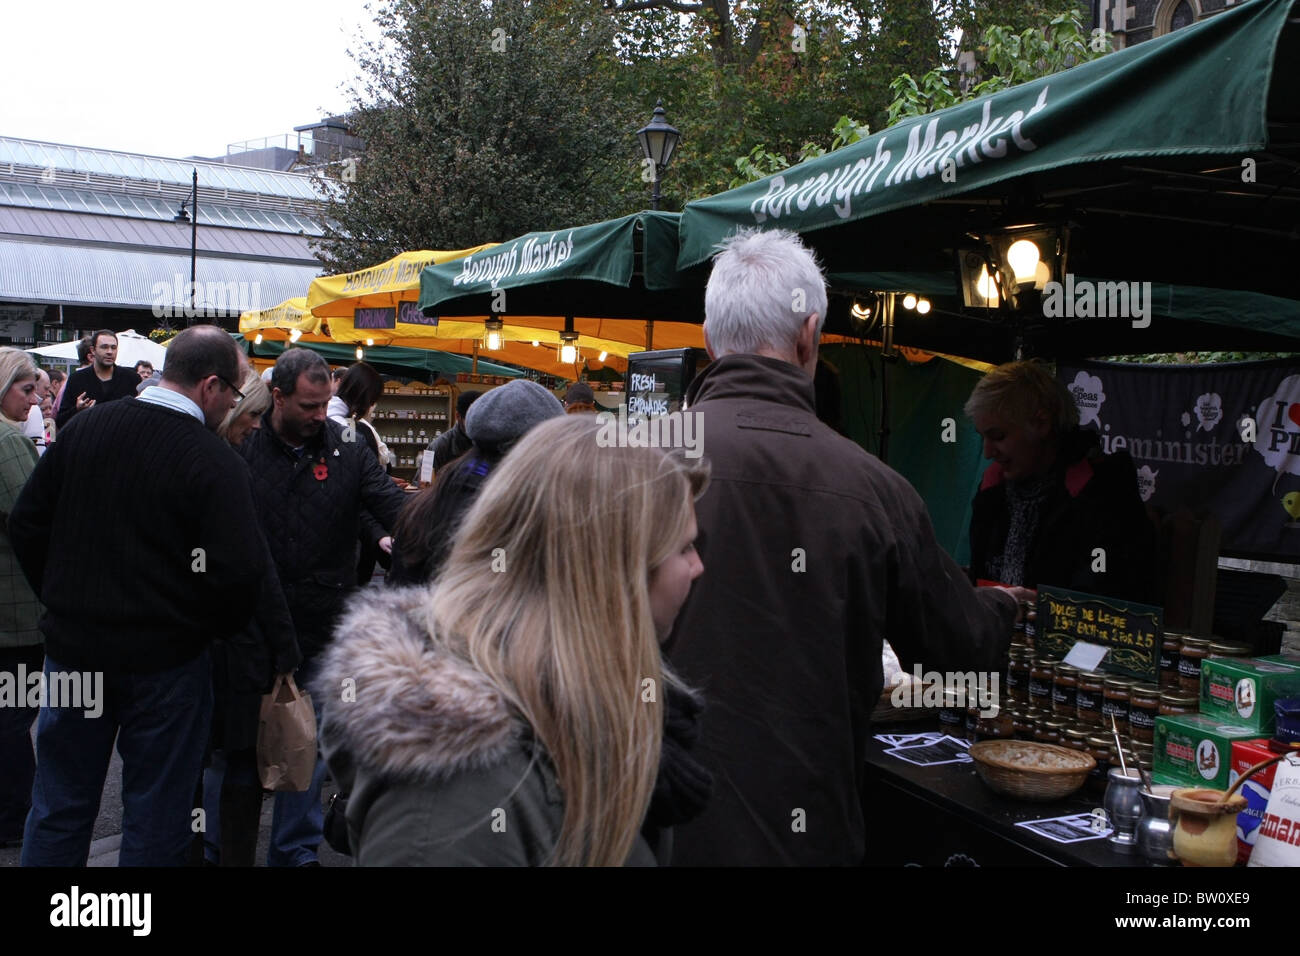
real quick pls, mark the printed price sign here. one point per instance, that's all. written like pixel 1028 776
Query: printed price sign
pixel 1131 632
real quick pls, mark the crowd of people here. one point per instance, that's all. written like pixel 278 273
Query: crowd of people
pixel 585 652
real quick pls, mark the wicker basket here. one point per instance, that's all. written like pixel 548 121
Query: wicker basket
pixel 1014 768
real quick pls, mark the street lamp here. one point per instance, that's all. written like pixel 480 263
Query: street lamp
pixel 658 142
pixel 183 216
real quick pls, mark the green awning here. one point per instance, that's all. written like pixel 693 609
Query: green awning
pixel 388 360
pixel 1201 91
pixel 621 268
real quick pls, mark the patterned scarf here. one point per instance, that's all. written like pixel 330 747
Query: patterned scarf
pixel 1024 504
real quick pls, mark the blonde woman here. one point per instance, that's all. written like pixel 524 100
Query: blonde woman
pixel 512 714
pixel 21 644
pixel 247 413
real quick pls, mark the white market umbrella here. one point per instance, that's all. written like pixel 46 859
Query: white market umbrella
pixel 132 347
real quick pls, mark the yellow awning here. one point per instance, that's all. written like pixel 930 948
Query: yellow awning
pixel 386 285
pixel 289 314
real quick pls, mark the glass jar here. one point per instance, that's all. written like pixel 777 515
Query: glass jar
pixel 1056 727
pixel 997 725
pixel 1114 702
pixel 952 714
pixel 1018 675
pixel 1031 632
pixel 1144 705
pixel 1175 702
pixel 1229 649
pixel 1065 690
pixel 972 721
pixel 1191 652
pixel 1102 750
pixel 1044 734
pixel 1089 697
pixel 1022 725
pixel 1169 658
pixel 1040 683
pixel 1075 739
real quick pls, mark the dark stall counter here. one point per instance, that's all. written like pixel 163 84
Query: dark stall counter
pixel 947 816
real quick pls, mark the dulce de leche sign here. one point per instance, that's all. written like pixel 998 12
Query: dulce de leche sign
pixel 1130 632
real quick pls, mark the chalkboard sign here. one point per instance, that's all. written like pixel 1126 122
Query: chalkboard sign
pixel 1131 631
pixel 657 381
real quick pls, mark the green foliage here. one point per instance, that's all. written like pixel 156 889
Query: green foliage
pixel 1004 58
pixel 481 122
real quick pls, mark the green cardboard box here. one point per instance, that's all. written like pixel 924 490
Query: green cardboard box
pixel 1241 691
pixel 1285 659
pixel 1196 751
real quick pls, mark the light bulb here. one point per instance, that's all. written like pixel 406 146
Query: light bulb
pixel 535 343
pixel 1042 275
pixel 1023 259
pixel 986 287
pixel 257 339
pixel 568 354
pixel 361 353
pixel 295 335
pixel 603 356
pixel 909 301
pixel 861 311
pixel 369 342
pixel 493 341
pixel 922 306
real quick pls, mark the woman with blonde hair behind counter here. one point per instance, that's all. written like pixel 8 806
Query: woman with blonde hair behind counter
pixel 512 713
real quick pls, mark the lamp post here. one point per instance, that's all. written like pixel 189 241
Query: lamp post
pixel 658 142
pixel 183 216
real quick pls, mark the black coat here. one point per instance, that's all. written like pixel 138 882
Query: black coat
pixel 310 508
pixel 1093 503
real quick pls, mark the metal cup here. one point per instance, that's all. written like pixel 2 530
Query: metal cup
pixel 1123 805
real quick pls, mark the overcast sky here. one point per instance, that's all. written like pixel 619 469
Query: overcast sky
pixel 174 78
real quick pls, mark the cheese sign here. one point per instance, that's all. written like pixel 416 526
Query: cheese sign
pixel 1131 632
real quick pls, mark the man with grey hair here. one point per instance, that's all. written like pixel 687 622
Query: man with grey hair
pixel 312 478
pixel 814 552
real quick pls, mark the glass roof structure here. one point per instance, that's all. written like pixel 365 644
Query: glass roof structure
pixel 68 199
pixel 104 162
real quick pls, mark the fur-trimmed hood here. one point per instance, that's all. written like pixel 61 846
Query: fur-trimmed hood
pixel 419 712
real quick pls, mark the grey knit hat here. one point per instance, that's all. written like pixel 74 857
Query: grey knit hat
pixel 503 415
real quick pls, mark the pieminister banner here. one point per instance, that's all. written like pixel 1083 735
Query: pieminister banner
pixel 1225 438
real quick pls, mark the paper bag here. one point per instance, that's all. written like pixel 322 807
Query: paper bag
pixel 286 737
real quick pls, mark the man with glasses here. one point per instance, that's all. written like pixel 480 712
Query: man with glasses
pixel 132 606
pixel 102 381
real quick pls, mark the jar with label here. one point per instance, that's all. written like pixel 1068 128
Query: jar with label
pixel 1018 675
pixel 1065 690
pixel 1176 702
pixel 1022 725
pixel 1169 658
pixel 1191 652
pixel 952 715
pixel 1075 739
pixel 1089 697
pixel 1040 683
pixel 1044 734
pixel 1114 702
pixel 1031 632
pixel 1056 727
pixel 972 721
pixel 1101 749
pixel 1229 649
pixel 994 724
pixel 1143 707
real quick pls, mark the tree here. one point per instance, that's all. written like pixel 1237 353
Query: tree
pixel 481 121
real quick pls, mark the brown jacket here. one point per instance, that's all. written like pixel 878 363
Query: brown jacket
pixel 814 551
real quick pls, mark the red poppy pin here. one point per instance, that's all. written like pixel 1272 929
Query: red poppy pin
pixel 321 471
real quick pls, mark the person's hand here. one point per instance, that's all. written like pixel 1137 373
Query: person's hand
pixel 386 544
pixel 401 483
pixel 84 402
pixel 1027 598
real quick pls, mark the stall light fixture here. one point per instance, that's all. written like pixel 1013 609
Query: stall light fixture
pixel 361 353
pixel 911 301
pixel 569 347
pixel 604 355
pixel 535 343
pixel 1012 263
pixel 861 312
pixel 295 335
pixel 493 338
pixel 922 306
pixel 257 339
pixel 370 343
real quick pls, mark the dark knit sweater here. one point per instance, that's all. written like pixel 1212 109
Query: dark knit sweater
pixel 106 531
pixel 122 385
